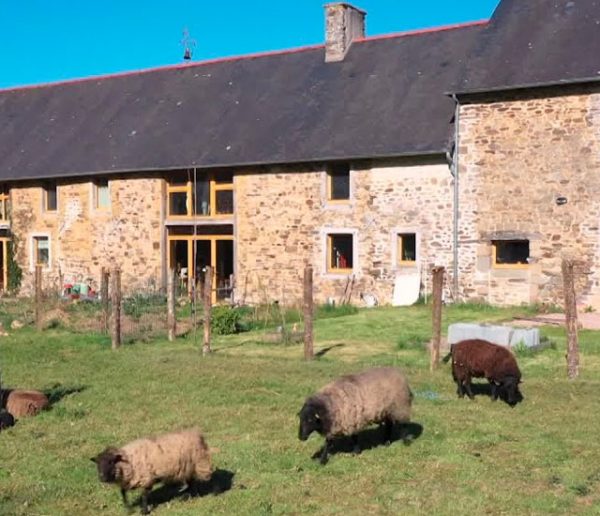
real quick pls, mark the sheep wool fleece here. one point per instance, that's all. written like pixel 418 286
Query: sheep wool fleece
pixel 175 457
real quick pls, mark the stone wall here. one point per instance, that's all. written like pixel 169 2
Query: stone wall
pixel 283 217
pixel 517 155
pixel 84 239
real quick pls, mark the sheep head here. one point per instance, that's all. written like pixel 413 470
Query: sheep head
pixel 106 463
pixel 510 384
pixel 314 417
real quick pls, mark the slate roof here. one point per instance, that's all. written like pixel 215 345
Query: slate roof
pixel 532 43
pixel 385 99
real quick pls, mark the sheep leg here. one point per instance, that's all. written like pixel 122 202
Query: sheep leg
pixel 145 493
pixel 467 386
pixel 494 390
pixel 124 497
pixel 459 389
pixel 388 431
pixel 325 452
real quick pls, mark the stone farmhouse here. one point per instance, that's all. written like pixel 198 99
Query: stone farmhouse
pixel 475 147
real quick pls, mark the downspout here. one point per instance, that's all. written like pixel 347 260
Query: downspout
pixel 454 172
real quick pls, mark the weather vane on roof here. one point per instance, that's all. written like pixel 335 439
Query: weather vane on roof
pixel 188 44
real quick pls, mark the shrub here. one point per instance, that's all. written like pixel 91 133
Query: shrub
pixel 139 304
pixel 226 320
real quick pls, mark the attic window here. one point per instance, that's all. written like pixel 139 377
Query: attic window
pixel 50 196
pixel 338 182
pixel 511 253
pixel 101 194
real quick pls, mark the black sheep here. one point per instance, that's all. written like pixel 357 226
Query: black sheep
pixel 478 358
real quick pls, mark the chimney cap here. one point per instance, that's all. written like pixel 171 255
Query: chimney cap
pixel 347 5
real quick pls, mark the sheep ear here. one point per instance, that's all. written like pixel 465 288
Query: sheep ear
pixel 94 460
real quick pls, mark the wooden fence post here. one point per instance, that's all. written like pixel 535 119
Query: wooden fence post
pixel 116 308
pixel 38 296
pixel 104 278
pixel 571 319
pixel 207 309
pixel 436 334
pixel 171 319
pixel 308 314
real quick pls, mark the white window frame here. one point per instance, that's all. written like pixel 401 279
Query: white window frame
pixel 33 250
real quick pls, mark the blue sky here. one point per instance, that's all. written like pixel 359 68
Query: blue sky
pixel 51 40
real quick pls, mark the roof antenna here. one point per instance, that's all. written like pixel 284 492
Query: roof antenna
pixel 188 44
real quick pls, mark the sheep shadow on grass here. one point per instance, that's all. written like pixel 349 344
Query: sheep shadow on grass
pixel 221 481
pixel 58 391
pixel 374 437
pixel 485 389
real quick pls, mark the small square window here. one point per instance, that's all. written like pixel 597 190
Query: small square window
pixel 50 197
pixel 407 248
pixel 510 253
pixel 338 179
pixel 101 194
pixel 41 251
pixel 340 251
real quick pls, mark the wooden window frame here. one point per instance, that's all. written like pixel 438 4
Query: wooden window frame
pixel 96 197
pixel 4 201
pixel 496 265
pixel 191 274
pixel 400 247
pixel 4 242
pixel 45 189
pixel 188 189
pixel 330 175
pixel 334 270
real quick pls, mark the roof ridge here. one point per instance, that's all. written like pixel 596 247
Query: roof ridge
pixel 241 57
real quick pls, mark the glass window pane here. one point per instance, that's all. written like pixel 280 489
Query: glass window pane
pixel 224 201
pixel 202 197
pixel 103 195
pixel 178 203
pixel 339 177
pixel 51 197
pixel 408 247
pixel 512 251
pixel 42 250
pixel 341 252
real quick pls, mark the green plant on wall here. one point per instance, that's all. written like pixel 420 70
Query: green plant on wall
pixel 15 274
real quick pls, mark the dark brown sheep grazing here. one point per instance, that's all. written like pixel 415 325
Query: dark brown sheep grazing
pixel 22 403
pixel 481 359
pixel 352 402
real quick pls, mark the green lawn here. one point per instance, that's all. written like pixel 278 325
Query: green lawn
pixel 542 457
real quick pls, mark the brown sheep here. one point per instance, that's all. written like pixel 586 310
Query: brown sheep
pixel 22 403
pixel 481 359
pixel 180 457
pixel 352 402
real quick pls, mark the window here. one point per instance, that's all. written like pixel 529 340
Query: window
pixel 101 194
pixel 4 203
pixel 407 249
pixel 340 253
pixel 50 196
pixel 207 196
pixel 338 182
pixel 41 251
pixel 511 253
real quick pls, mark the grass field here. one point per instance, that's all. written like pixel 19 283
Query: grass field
pixel 541 457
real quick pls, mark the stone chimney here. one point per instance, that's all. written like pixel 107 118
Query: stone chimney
pixel 343 24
